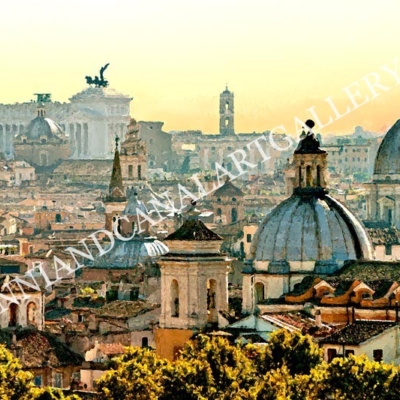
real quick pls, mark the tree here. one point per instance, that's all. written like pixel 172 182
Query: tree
pixel 134 376
pixel 296 351
pixel 223 370
pixel 359 378
pixel 16 384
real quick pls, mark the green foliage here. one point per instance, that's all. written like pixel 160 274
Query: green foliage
pixel 289 367
pixel 359 378
pixel 134 376
pixel 225 369
pixel 16 384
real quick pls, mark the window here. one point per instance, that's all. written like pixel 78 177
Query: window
pixel 174 298
pixel 38 380
pixel 219 212
pixel 234 215
pixel 348 352
pixel 378 355
pixel 366 295
pixel 130 170
pixel 233 198
pixel 57 380
pixel 259 289
pixel 145 342
pixel 13 314
pixel 139 172
pixel 332 353
pixel 388 249
pixel 248 238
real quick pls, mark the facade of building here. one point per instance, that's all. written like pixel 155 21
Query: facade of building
pixel 202 151
pixel 43 144
pixel 133 156
pixel 90 119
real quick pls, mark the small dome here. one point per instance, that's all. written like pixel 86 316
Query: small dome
pixel 128 254
pixel 46 127
pixel 311 229
pixel 134 204
pixel 387 160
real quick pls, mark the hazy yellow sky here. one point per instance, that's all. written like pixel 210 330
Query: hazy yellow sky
pixel 174 57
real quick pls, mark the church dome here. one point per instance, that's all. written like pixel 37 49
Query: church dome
pixel 43 128
pixel 310 231
pixel 387 160
pixel 128 254
pixel 308 228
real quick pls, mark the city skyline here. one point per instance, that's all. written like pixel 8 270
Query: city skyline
pixel 174 59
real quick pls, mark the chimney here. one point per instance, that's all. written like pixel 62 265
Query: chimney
pixel 318 319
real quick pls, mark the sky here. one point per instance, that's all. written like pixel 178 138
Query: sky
pixel 174 57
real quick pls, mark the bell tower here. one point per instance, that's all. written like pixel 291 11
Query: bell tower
pixel 194 284
pixel 226 113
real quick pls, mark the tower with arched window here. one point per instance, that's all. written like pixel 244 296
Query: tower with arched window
pixel 227 203
pixel 226 113
pixel 194 285
pixel 133 157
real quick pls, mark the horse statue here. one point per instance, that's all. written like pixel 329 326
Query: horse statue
pixel 98 82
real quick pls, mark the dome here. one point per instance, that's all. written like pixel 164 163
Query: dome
pixel 133 205
pixel 127 254
pixel 310 228
pixel 40 127
pixel 387 160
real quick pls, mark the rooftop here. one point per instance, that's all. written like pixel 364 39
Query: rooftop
pixel 359 332
pixel 193 229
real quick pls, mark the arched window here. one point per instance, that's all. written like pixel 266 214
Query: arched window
pixel 219 212
pixel 130 170
pixel 139 172
pixel 300 178
pixel 31 313
pixel 212 300
pixel 13 314
pixel 226 122
pixel 227 106
pixel 234 215
pixel 219 199
pixel 259 291
pixel 174 298
pixel 145 342
pixel 319 175
pixel 308 176
pixel 233 198
pixel 58 218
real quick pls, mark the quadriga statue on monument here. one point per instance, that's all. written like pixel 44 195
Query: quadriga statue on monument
pixel 96 81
